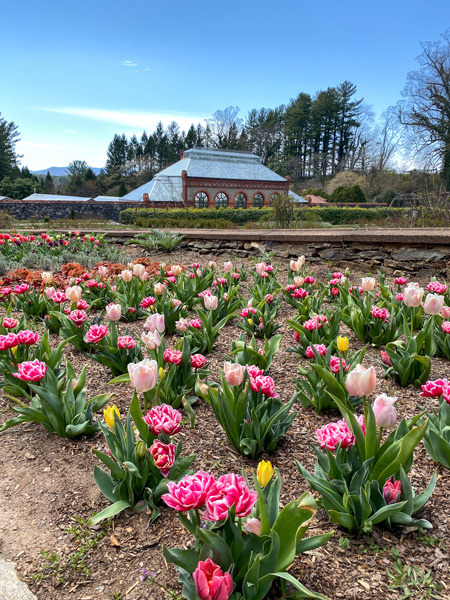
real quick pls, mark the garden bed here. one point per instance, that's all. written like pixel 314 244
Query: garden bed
pixel 47 493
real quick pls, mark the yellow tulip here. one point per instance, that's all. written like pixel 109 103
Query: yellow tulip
pixel 161 373
pixel 14 350
pixel 264 472
pixel 110 415
pixel 250 322
pixel 342 343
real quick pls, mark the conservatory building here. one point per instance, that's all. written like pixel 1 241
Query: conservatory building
pixel 206 178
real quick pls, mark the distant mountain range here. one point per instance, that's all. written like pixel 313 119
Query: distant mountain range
pixel 59 171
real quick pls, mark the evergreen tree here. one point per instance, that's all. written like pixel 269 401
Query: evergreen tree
pixel 122 190
pixel 117 153
pixel 9 136
pixel 49 186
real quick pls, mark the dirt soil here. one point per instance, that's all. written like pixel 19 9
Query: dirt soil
pixel 47 493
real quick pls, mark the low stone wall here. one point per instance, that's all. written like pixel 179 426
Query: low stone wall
pixel 389 258
pixel 27 209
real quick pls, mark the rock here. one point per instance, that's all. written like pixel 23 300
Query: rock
pixel 11 588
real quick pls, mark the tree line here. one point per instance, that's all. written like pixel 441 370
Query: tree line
pixel 312 138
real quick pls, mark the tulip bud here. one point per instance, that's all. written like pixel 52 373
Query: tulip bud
pixel 141 449
pixel 392 491
pixel 264 472
pixel 384 411
pixel 446 312
pixel 342 343
pixel 253 526
pixel 161 373
pixel 210 582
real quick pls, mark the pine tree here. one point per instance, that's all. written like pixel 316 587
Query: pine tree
pixel 122 190
pixel 49 186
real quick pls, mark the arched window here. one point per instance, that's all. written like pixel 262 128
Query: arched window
pixel 221 200
pixel 258 200
pixel 201 200
pixel 272 198
pixel 240 200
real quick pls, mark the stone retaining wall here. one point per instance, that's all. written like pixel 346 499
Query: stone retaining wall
pixel 389 258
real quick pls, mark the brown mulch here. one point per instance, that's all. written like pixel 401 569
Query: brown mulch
pixel 47 483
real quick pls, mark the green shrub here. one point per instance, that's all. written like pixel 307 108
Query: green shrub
pixel 148 217
pixel 351 194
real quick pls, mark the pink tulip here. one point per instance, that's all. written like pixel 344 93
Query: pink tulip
pixel 384 411
pixel 195 323
pixel 32 370
pixel 174 357
pixel 27 337
pixel 143 375
pixel 437 287
pixel 335 364
pixel 380 313
pixel 433 304
pixel 163 456
pixel 299 294
pixel 434 389
pixel 147 302
pixel 138 270
pixel 155 322
pixel 103 271
pixel 361 381
pixel 9 323
pixel 253 526
pixel 445 312
pixel 126 275
pixel 21 289
pixel 368 283
pixel 412 295
pixel 210 582
pixel 114 312
pixel 264 384
pixel 228 266
pixel 320 348
pixel 446 326
pixel 260 268
pixel 73 294
pixel 8 341
pixel 57 297
pixel 295 265
pixel 227 491
pixel 189 493
pixel 331 435
pixel 400 280
pixel 298 281
pixel 126 342
pixel 82 305
pixel 182 325
pixel 198 361
pixel 254 371
pixel 392 491
pixel 211 302
pixel 177 270
pixel 234 373
pixel 212 264
pixel 95 333
pixel 385 358
pixel 159 289
pixel 152 340
pixel 163 419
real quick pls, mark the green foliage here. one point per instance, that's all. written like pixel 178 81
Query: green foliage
pixel 351 483
pixel 60 404
pixel 251 420
pixel 9 136
pixel 282 210
pixel 255 561
pixel 19 188
pixel 157 240
pixel 133 480
pixel 321 384
pixel 248 354
pixel 437 436
pixel 185 216
pixel 412 582
pixel 411 358
pixel 345 194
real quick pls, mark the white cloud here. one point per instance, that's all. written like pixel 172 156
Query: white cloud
pixel 129 63
pixel 25 145
pixel 137 120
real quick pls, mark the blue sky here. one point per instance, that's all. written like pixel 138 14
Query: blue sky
pixel 74 73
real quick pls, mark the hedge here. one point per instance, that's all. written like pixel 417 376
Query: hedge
pixel 335 215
